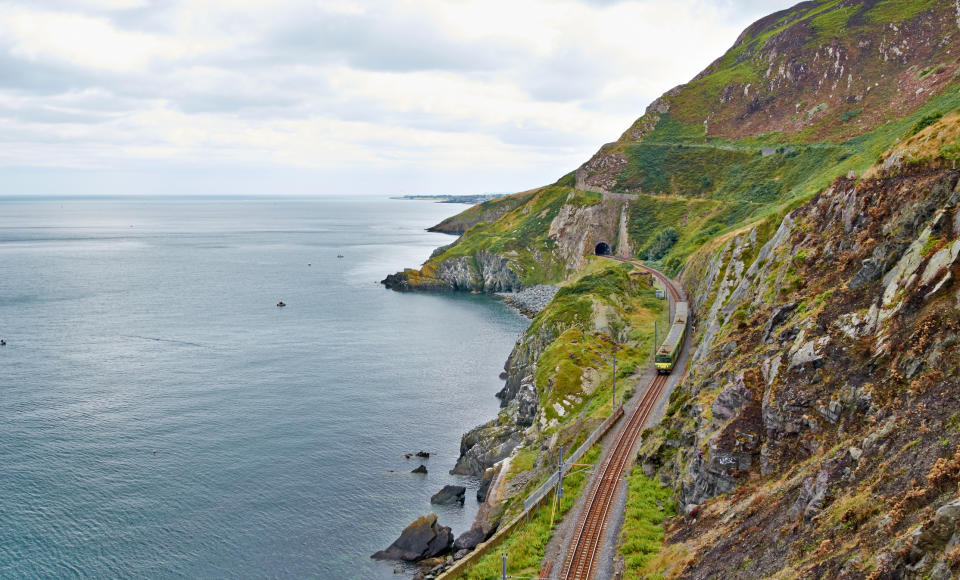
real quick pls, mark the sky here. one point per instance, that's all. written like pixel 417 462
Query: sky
pixel 398 97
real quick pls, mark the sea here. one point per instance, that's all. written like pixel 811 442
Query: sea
pixel 161 417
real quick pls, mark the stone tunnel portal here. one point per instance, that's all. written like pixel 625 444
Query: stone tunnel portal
pixel 602 249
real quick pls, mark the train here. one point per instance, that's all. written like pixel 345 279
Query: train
pixel 669 351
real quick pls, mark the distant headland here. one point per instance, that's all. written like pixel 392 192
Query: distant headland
pixel 467 199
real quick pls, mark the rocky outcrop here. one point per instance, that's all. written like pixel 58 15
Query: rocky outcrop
pixel 449 495
pixel 483 446
pixel 577 229
pixel 482 272
pixel 422 539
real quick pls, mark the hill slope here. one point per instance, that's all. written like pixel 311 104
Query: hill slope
pixel 805 187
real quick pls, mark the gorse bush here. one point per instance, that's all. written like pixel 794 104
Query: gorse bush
pixel 661 243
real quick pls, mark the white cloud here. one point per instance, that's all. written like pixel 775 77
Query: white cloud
pixel 498 87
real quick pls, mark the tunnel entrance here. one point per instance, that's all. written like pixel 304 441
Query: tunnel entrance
pixel 602 249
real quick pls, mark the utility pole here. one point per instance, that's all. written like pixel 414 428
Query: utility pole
pixel 654 339
pixel 560 473
pixel 613 401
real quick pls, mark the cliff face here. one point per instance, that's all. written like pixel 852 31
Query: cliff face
pixel 534 237
pixel 823 401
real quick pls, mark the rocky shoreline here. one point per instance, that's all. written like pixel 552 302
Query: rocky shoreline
pixel 484 451
pixel 530 301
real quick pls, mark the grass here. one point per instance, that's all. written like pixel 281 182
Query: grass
pixel 521 232
pixel 525 546
pixel 583 352
pixel 705 188
pixel 641 538
pixel 897 11
pixel 833 23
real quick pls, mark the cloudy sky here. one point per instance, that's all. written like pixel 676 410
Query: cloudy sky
pixel 334 96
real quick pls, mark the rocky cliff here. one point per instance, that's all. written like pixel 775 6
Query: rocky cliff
pixel 818 432
pixel 534 237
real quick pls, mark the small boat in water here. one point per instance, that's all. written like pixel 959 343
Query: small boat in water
pixel 281 304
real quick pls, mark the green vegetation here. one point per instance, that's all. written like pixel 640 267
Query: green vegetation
pixel 521 232
pixel 925 121
pixel 832 24
pixel 705 188
pixel 850 115
pixel 525 546
pixel 661 244
pixel 897 11
pixel 608 307
pixel 648 504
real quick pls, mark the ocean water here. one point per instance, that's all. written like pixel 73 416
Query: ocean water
pixel 136 325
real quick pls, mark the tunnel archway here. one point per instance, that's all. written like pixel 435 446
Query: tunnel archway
pixel 603 249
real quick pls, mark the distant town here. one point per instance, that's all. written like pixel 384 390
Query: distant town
pixel 467 199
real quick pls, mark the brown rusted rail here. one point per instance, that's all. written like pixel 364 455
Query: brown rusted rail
pixel 582 554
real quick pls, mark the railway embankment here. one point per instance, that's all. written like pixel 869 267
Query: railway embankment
pixel 558 387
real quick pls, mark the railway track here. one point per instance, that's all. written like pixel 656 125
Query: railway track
pixel 582 555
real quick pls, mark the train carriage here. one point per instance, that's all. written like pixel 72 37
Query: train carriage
pixel 666 356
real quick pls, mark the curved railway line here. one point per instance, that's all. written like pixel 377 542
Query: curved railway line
pixel 581 561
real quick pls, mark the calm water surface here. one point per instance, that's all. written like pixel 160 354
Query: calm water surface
pixel 135 325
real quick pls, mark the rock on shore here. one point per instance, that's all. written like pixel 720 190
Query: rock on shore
pixel 422 539
pixel 530 301
pixel 450 494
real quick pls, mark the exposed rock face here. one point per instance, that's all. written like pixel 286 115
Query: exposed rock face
pixel 450 494
pixel 484 446
pixel 483 272
pixel 824 391
pixel 422 539
pixel 578 229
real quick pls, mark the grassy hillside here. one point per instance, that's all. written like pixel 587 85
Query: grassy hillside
pixel 804 96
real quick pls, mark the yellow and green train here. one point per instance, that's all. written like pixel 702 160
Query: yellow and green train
pixel 669 351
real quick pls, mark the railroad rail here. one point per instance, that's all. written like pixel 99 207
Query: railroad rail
pixel 582 555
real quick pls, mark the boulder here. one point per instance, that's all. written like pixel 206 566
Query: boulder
pixel 469 539
pixel 450 494
pixel 423 454
pixel 422 539
pixel 421 469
